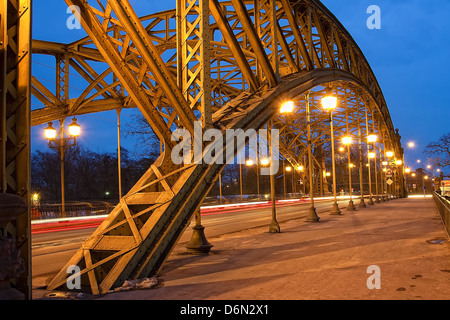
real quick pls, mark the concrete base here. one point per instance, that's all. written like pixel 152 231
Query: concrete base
pixel 362 204
pixel 198 244
pixel 312 216
pixel 351 206
pixel 274 227
pixel 336 211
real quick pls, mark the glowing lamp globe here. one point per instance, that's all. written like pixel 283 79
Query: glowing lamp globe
pixel 50 132
pixel 74 129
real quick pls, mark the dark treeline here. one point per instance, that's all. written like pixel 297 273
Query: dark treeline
pixel 93 176
pixel 88 175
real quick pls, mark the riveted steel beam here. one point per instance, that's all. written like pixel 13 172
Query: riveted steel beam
pixel 130 79
pixel 15 96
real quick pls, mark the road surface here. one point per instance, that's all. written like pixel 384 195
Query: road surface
pixel 52 250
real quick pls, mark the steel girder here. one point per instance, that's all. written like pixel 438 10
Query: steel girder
pixel 260 53
pixel 15 70
pixel 225 55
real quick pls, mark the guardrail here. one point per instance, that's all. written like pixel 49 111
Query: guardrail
pixel 443 205
pixel 72 210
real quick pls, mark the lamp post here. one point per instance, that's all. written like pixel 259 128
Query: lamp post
pixel 348 141
pixel 300 169
pixel 274 225
pixel 423 177
pixel 220 188
pixel 250 163
pixel 240 178
pixel 400 169
pixel 329 103
pixel 61 144
pixel 434 177
pixel 362 203
pixel 312 216
pixel 407 172
pixel 390 155
pixel 287 170
pixel 371 139
pixel 384 186
pixel 374 145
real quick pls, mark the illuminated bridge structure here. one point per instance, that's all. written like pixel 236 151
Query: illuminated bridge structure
pixel 228 64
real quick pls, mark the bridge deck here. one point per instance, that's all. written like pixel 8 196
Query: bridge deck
pixel 328 260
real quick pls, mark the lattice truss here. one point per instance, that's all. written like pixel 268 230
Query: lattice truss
pixel 228 64
pixel 15 58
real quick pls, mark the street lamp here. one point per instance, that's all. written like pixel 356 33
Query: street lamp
pixel 329 103
pixel 423 179
pixel 407 172
pixel 62 144
pixel 371 139
pixel 347 140
pixel 385 163
pixel 251 163
pixel 287 107
pixel 50 133
pixel 291 171
pixel 265 162
pixel 74 129
pixel 312 216
pixel 274 225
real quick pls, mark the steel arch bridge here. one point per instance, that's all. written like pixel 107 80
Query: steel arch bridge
pixel 229 64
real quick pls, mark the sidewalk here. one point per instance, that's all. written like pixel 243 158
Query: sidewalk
pixel 323 261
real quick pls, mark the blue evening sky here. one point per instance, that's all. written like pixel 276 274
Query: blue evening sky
pixel 408 55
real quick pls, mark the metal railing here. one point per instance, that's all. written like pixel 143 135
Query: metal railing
pixel 443 205
pixel 72 210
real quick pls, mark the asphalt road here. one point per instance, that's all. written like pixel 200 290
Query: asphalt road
pixel 51 251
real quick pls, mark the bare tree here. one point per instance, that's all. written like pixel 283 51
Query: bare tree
pixel 147 144
pixel 439 151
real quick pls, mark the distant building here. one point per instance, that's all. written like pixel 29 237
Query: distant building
pixel 445 187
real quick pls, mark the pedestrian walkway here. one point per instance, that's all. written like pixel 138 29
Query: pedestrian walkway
pixel 324 261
